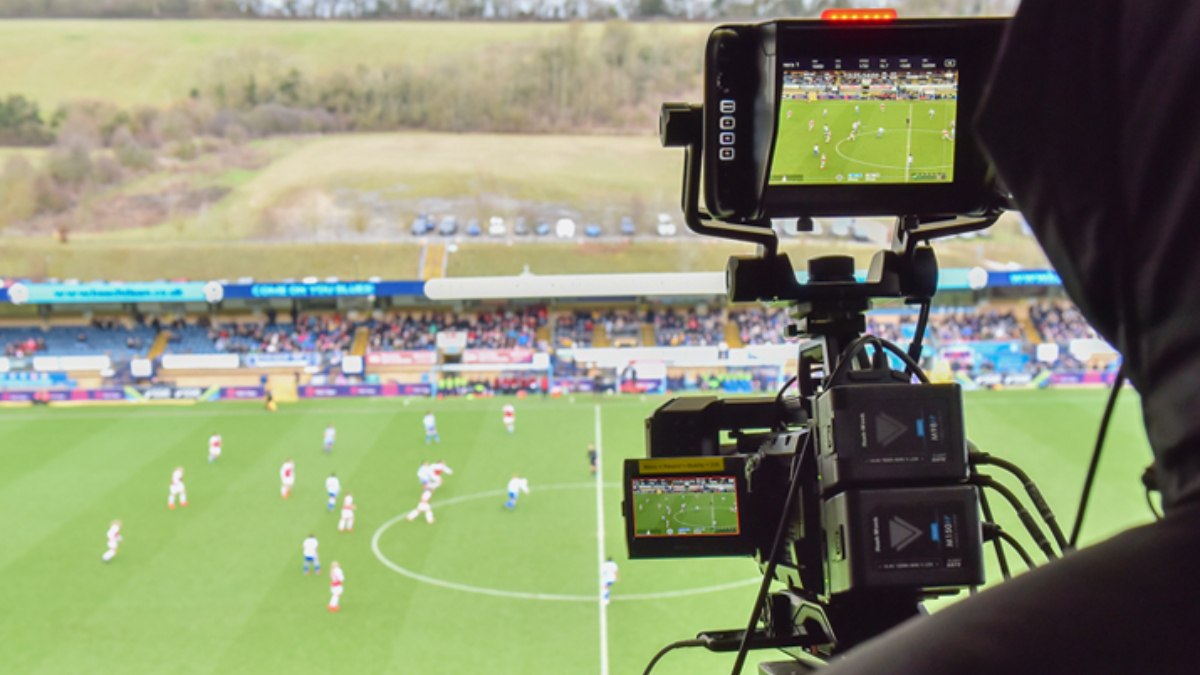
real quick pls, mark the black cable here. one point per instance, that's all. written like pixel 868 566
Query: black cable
pixel 769 573
pixel 790 382
pixel 913 366
pixel 1007 538
pixel 1027 520
pixel 848 354
pixel 1031 489
pixel 663 652
pixel 1095 463
pixel 987 515
pixel 1153 509
pixel 914 347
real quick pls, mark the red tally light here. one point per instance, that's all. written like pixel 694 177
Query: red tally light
pixel 858 15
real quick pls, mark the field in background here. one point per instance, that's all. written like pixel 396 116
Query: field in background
pixel 158 62
pixel 217 587
pixel 885 139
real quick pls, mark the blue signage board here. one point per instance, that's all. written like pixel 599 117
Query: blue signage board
pixel 341 289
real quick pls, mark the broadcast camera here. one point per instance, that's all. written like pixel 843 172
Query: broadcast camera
pixel 858 494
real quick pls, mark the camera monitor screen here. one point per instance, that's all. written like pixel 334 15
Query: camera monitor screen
pixel 883 120
pixel 685 506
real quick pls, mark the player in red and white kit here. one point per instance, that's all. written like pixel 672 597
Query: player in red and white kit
pixel 346 524
pixel 423 507
pixel 436 471
pixel 336 579
pixel 177 489
pixel 114 538
pixel 287 478
pixel 214 447
pixel 510 418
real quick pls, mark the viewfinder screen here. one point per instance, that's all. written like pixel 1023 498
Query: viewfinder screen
pixel 685 506
pixel 871 120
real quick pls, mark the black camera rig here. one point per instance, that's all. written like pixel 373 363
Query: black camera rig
pixel 859 493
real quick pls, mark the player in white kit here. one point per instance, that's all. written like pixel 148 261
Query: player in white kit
pixel 510 418
pixel 214 447
pixel 608 577
pixel 346 524
pixel 330 437
pixel 431 433
pixel 310 554
pixel 287 478
pixel 336 579
pixel 436 470
pixel 333 486
pixel 516 486
pixel 114 538
pixel 423 507
pixel 177 489
pixel 425 474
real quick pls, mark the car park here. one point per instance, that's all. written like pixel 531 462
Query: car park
pixel 666 225
pixel 564 228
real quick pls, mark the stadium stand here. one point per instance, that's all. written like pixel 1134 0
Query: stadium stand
pixel 691 327
pixel 1059 322
pixel 574 329
pixel 113 339
pixel 760 326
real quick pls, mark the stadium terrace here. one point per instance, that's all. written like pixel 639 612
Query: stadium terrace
pixel 143 342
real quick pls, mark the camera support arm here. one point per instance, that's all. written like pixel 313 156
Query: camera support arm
pixel 679 126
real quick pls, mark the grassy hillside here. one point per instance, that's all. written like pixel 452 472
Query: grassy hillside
pixel 157 62
pixel 198 206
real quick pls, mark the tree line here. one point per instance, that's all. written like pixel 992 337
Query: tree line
pixel 472 9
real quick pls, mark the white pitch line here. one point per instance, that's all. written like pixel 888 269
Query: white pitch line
pixel 600 546
pixel 908 145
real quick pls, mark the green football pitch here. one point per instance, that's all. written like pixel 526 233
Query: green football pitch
pixel 879 153
pixel 218 587
pixel 660 515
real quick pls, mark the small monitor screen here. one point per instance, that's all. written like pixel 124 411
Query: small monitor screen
pixel 872 120
pixel 685 506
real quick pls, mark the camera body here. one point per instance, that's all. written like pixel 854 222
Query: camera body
pixel 856 493
pixel 809 118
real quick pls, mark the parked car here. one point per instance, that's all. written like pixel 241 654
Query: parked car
pixel 448 227
pixel 592 231
pixel 542 229
pixel 666 225
pixel 473 228
pixel 421 225
pixel 564 228
pixel 521 226
pixel 627 227
pixel 496 226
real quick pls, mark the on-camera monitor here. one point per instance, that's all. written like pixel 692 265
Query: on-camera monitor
pixel 685 506
pixel 883 120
